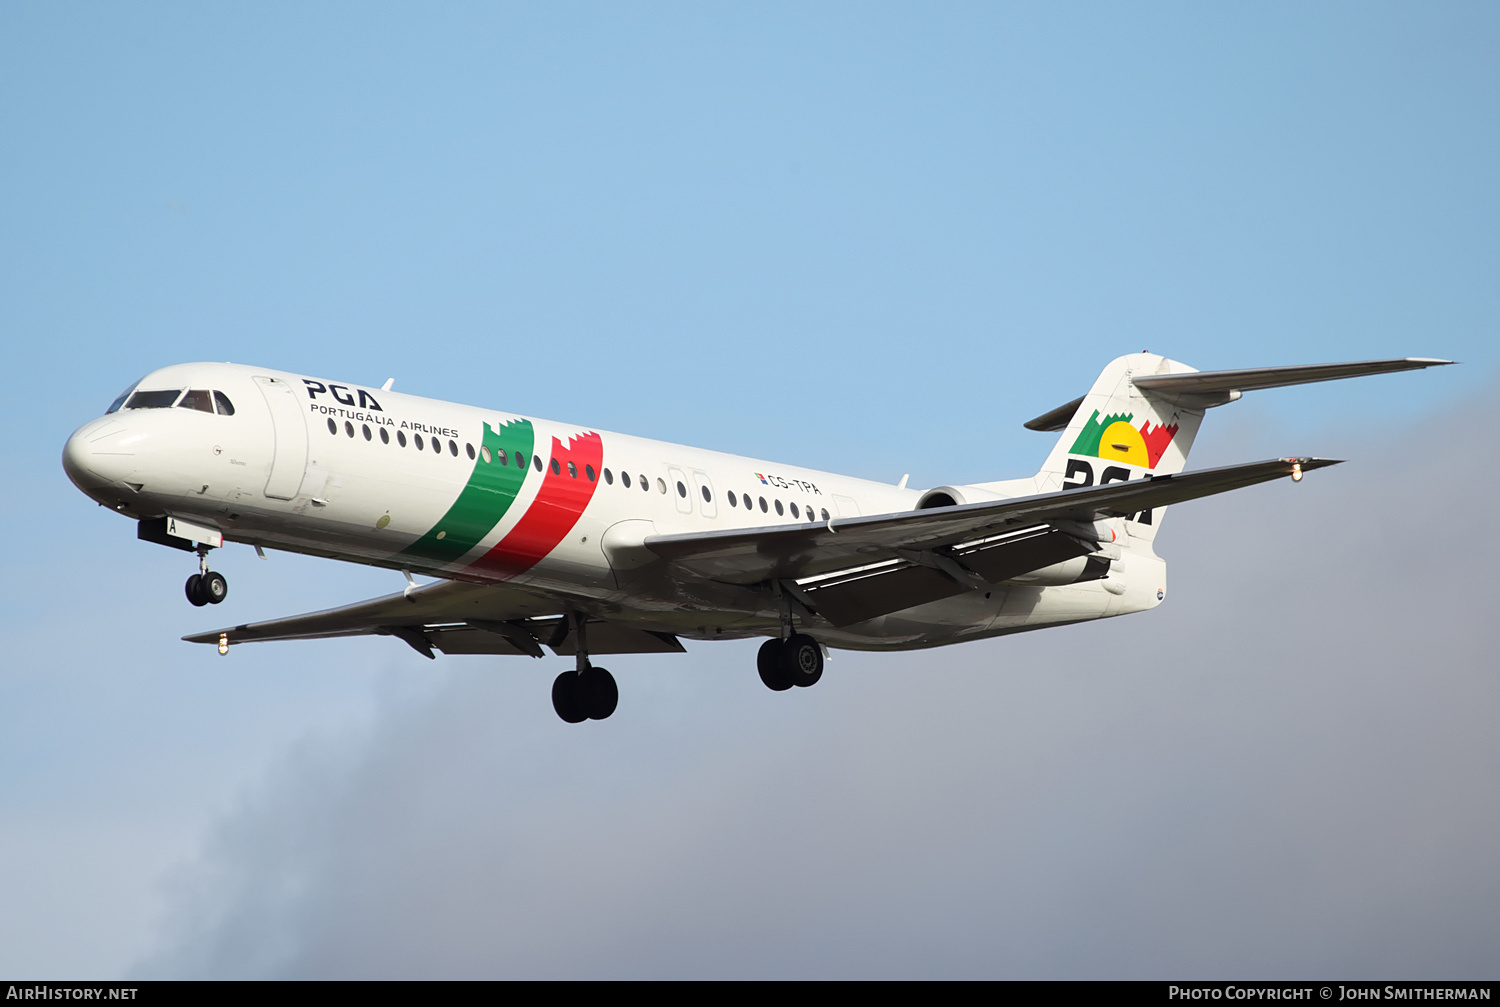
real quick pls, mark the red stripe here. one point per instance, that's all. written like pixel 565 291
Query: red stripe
pixel 558 505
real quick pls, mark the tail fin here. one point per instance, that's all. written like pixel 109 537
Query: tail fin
pixel 1119 432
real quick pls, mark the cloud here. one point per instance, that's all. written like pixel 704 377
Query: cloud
pixel 1289 770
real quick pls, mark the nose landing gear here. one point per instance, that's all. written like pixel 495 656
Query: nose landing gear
pixel 207 587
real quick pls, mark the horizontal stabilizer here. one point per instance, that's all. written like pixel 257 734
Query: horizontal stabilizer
pixel 1056 419
pixel 1218 387
pixel 1202 389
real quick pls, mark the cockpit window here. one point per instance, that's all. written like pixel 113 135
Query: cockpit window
pixel 199 399
pixel 226 408
pixel 153 400
pixel 120 399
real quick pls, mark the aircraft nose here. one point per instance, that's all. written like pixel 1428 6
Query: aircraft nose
pixel 98 454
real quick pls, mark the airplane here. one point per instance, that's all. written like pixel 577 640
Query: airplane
pixel 592 543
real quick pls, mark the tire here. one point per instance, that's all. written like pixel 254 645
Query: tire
pixel 598 692
pixel 194 589
pixel 566 699
pixel 768 663
pixel 802 660
pixel 213 587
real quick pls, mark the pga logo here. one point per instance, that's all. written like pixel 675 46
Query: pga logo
pixel 1080 473
pixel 341 393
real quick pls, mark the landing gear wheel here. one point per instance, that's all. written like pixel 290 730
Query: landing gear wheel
pixel 598 691
pixel 802 660
pixel 566 698
pixel 194 589
pixel 768 662
pixel 213 587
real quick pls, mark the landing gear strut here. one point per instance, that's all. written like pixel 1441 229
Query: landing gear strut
pixel 587 692
pixel 794 659
pixel 206 587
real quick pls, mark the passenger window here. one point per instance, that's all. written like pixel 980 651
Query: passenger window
pixel 417 440
pixel 437 446
pixel 609 477
pixel 470 449
pixel 401 437
pixel 732 501
pixel 153 400
pixel 536 461
pixel 794 510
pixel 120 399
pixel 453 449
pixel 500 456
pixel 385 436
pixel 661 484
pixel 681 489
pixel 825 513
pixel 763 507
pixel 349 428
pixel 484 452
pixel 707 496
pixel 645 485
pixel 625 479
pixel 200 399
pixel 333 427
pixel 368 435
pixel 556 468
pixel 588 471
pixel 572 470
pixel 779 511
pixel 226 408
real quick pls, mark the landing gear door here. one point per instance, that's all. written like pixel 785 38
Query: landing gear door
pixel 289 455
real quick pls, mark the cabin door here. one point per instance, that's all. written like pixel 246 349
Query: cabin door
pixel 289 456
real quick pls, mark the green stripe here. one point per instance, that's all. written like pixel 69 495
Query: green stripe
pixel 1088 438
pixel 491 489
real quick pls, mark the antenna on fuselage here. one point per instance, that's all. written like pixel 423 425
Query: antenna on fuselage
pixel 387 386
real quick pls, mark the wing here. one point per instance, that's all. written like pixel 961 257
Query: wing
pixel 455 618
pixel 902 560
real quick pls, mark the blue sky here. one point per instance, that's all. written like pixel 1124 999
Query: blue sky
pixel 867 238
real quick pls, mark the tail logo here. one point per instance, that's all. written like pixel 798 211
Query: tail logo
pixel 1115 439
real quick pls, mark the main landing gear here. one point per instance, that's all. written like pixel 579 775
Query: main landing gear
pixel 797 660
pixel 206 587
pixel 586 693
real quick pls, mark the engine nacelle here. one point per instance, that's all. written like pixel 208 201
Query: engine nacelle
pixel 950 496
pixel 1069 571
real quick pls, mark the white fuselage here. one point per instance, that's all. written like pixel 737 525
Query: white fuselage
pixel 302 465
